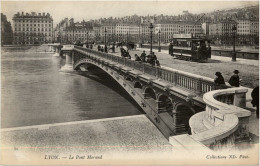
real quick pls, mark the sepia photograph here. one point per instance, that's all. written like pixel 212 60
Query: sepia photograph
pixel 148 82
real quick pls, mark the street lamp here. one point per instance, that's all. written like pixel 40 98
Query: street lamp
pixel 105 36
pixel 159 48
pixel 87 37
pixel 127 37
pixel 151 35
pixel 234 56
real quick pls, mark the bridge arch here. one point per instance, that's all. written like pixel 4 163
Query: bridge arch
pixel 164 103
pixel 183 113
pixel 128 78
pixel 138 85
pixel 149 93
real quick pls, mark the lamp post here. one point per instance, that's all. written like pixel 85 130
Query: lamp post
pixel 159 48
pixel 105 36
pixel 126 37
pixel 87 37
pixel 151 35
pixel 105 39
pixel 234 56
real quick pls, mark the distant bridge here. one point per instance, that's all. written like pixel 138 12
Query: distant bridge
pixel 171 97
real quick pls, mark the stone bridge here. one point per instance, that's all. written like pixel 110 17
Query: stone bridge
pixel 173 100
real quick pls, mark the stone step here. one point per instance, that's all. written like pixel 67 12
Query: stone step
pixel 186 143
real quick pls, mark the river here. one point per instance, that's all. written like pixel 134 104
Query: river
pixel 34 92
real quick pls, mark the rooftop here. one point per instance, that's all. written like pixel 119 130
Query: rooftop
pixel 32 15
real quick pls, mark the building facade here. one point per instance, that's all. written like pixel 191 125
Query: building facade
pixel 97 32
pixel 246 33
pixel 78 33
pixel 168 30
pixel 108 31
pixel 6 31
pixel 32 28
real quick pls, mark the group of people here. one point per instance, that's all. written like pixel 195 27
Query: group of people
pixel 151 59
pixel 235 82
pixel 89 46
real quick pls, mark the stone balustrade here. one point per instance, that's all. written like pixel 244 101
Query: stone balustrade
pixel 224 121
pixel 183 80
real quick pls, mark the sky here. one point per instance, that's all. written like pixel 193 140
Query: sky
pixel 87 10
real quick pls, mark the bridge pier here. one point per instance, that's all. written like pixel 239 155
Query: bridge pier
pixel 57 50
pixel 68 53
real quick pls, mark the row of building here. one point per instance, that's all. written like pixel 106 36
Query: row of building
pixel 247 31
pixel 69 31
pixel 37 28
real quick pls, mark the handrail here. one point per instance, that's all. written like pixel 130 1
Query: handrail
pixel 184 80
pixel 220 120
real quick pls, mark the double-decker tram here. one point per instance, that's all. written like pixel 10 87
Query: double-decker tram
pixel 186 47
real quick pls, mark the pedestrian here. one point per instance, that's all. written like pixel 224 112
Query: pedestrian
pixel 148 59
pixel 143 55
pixel 122 52
pixel 234 79
pixel 157 63
pixel 129 56
pixel 153 58
pixel 105 48
pixel 219 78
pixel 171 49
pixel 113 48
pixel 98 47
pixel 137 58
pixel 255 99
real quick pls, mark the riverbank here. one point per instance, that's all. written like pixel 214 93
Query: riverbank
pixel 25 48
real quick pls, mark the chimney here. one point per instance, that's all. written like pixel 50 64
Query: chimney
pixel 22 13
pixel 43 13
pixel 39 14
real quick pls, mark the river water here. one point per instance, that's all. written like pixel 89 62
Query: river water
pixel 34 92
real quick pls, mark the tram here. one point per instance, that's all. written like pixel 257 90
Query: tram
pixel 191 49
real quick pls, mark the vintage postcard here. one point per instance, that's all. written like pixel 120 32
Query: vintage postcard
pixel 129 83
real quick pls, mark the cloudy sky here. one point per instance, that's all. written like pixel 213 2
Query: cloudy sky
pixel 92 10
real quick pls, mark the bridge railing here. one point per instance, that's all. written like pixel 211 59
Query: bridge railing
pixel 184 80
pixel 224 120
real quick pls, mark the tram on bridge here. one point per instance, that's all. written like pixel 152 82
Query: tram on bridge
pixel 185 47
